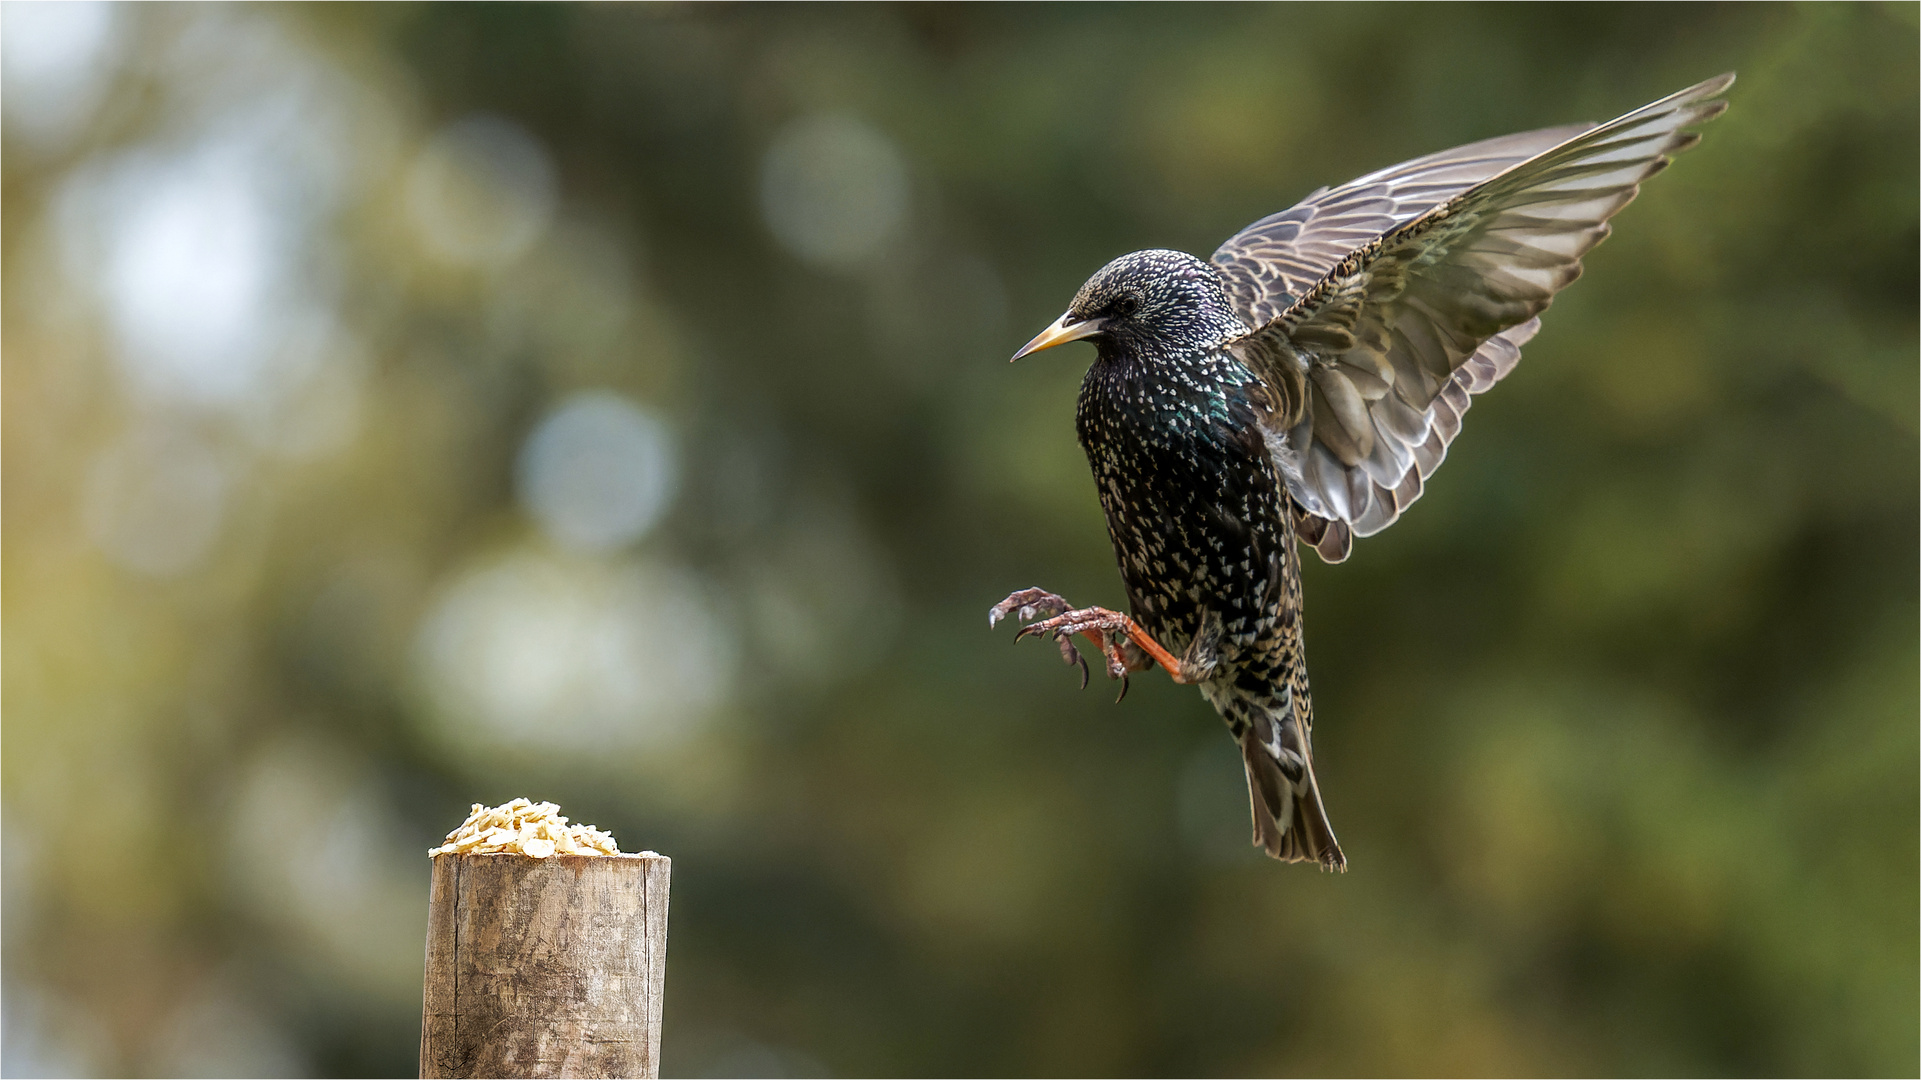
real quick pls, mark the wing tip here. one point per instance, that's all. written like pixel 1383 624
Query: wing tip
pixel 1716 85
pixel 1700 93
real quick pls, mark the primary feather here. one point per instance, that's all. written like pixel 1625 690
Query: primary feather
pixel 1383 348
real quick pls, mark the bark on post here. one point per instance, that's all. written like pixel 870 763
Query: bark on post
pixel 545 967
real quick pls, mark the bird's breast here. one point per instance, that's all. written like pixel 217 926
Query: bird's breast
pixel 1189 492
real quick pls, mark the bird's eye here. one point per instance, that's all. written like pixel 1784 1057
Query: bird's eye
pixel 1124 306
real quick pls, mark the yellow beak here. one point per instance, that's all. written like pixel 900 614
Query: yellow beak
pixel 1066 329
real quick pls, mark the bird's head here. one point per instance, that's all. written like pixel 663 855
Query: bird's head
pixel 1147 302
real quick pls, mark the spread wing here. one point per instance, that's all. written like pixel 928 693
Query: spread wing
pixel 1269 264
pixel 1378 357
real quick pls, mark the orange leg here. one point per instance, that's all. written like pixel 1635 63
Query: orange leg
pixel 1104 628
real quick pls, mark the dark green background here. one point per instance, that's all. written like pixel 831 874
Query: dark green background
pixel 1618 727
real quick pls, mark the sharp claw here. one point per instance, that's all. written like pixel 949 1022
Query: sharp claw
pixel 1073 657
pixel 1123 694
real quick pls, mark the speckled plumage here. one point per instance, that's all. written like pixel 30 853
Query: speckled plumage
pixel 1172 423
pixel 1305 383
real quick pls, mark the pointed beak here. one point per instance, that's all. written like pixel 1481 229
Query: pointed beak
pixel 1066 329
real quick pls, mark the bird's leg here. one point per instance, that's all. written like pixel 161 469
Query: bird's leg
pixel 1111 632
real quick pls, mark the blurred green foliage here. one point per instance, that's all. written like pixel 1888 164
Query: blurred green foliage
pixel 1619 726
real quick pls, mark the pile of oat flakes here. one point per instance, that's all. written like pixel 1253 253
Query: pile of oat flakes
pixel 537 830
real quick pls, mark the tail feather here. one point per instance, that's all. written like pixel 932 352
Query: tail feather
pixel 1290 823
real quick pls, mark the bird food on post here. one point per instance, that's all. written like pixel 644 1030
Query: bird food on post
pixel 546 950
pixel 538 830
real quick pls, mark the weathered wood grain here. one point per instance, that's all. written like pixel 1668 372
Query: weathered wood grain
pixel 545 967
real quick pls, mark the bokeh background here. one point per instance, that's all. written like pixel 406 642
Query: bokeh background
pixel 407 406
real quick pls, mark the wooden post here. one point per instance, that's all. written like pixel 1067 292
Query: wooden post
pixel 545 967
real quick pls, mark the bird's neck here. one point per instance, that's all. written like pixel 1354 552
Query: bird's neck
pixel 1184 345
pixel 1146 357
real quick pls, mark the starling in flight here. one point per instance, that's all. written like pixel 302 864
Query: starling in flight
pixel 1303 384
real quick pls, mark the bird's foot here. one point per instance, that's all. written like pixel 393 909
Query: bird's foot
pixel 1028 604
pixel 1110 631
pixel 1106 629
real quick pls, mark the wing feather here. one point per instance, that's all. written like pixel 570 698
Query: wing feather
pixel 1396 331
pixel 1271 263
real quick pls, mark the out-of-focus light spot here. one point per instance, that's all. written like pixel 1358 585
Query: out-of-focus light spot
pixel 55 60
pixel 576 660
pixel 206 248
pixel 196 258
pixel 154 501
pixel 598 472
pixel 834 189
pixel 481 192
pixel 188 279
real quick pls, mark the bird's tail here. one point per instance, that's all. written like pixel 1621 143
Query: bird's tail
pixel 1290 823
